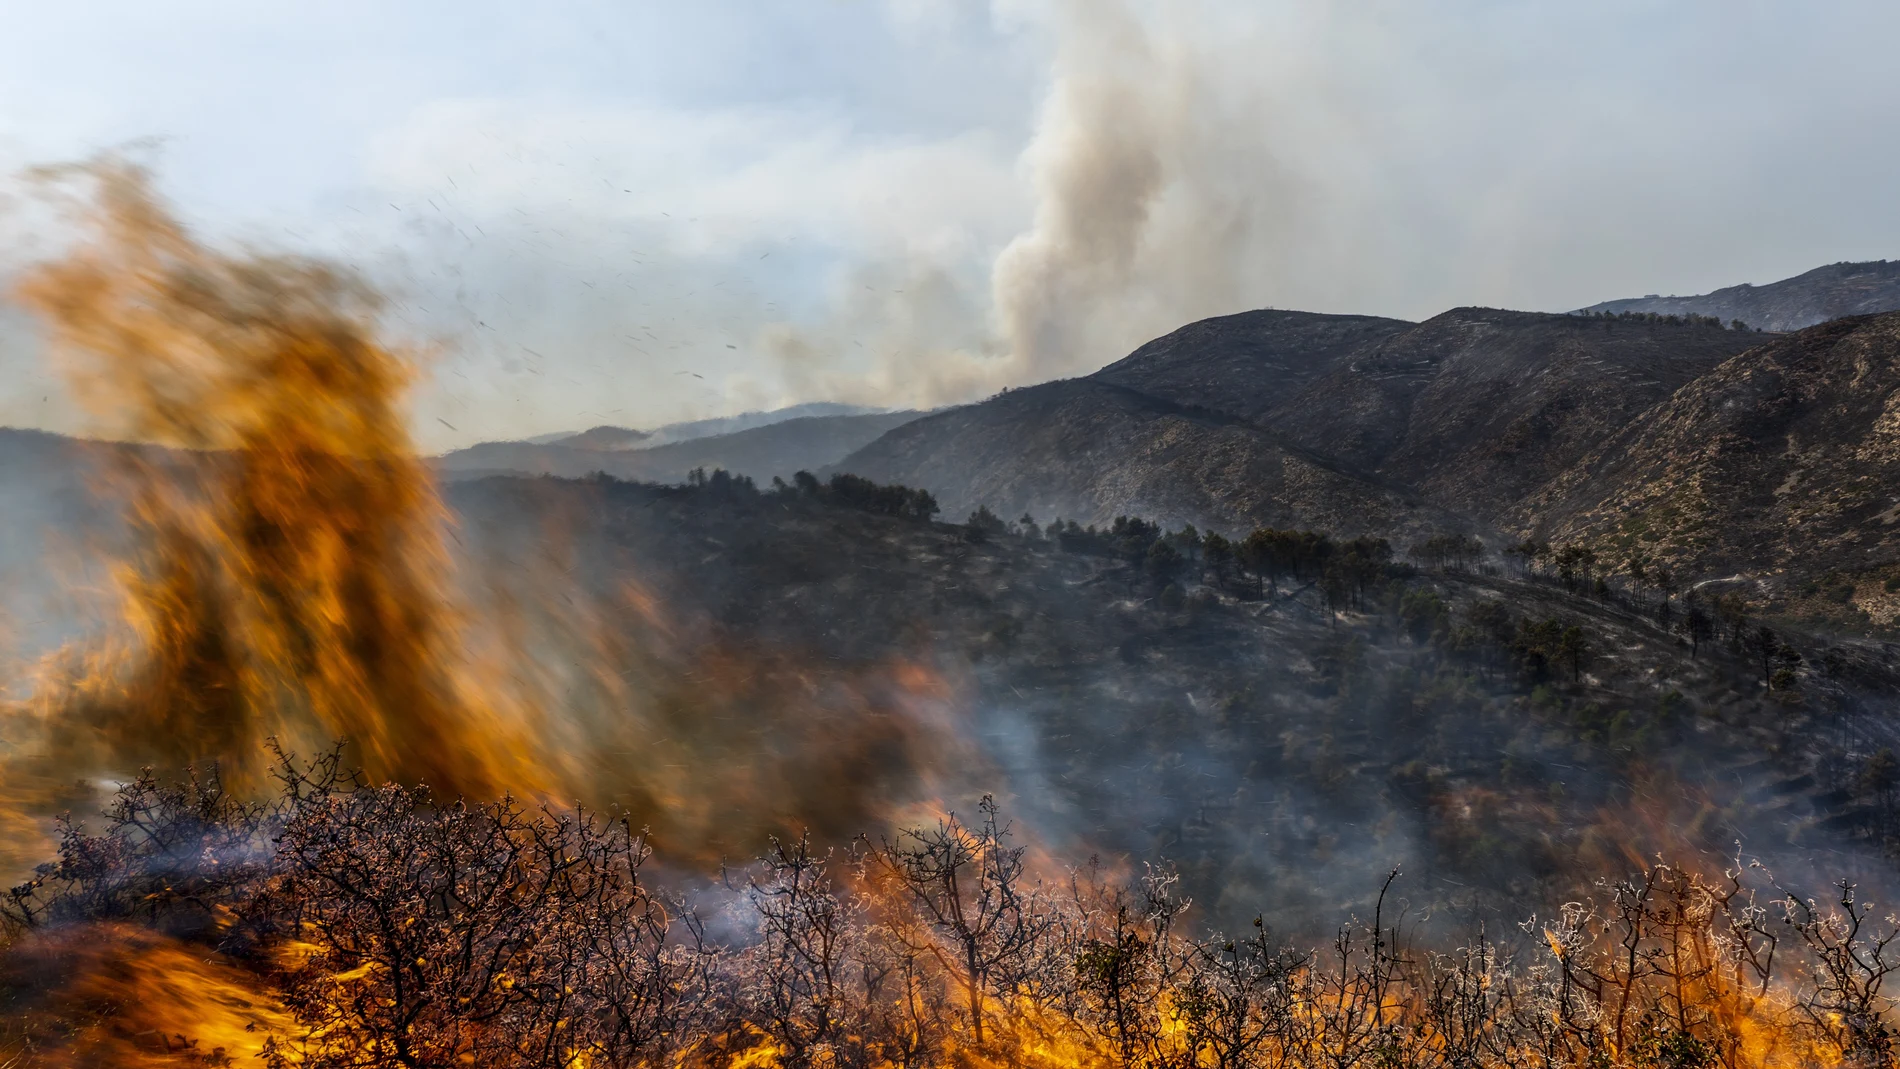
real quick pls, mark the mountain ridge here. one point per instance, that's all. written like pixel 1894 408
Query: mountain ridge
pixel 1829 292
pixel 1177 463
pixel 1357 424
pixel 608 437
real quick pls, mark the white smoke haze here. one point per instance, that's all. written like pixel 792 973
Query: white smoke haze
pixel 667 285
pixel 607 215
pixel 905 333
pixel 1157 200
pixel 1160 197
pixel 1098 167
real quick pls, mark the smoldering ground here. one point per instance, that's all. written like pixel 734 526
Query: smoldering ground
pixel 1283 763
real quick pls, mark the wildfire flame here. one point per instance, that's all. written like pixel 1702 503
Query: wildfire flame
pixel 289 578
pixel 128 997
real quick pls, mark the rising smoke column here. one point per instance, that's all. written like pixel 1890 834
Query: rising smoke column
pixel 1156 197
pixel 1098 171
pixel 1159 197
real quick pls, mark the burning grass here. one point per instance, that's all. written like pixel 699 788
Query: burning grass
pixel 351 924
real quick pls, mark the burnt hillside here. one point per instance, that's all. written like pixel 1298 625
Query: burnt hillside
pixel 1091 450
pixel 1477 407
pixel 1248 365
pixel 1342 422
pixel 1780 464
pixel 1496 730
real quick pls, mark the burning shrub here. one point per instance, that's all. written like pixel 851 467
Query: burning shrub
pixel 375 926
pixel 177 855
pixel 823 984
pixel 963 898
pixel 422 934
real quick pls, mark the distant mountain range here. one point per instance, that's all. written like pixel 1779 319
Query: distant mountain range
pixel 765 449
pixel 1825 293
pixel 608 438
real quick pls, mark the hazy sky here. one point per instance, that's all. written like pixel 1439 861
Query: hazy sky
pixel 635 212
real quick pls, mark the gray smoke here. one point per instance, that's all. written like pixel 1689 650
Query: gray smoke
pixel 1156 199
pixel 1155 189
pixel 1099 170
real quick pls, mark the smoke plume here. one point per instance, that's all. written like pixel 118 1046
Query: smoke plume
pixel 1156 199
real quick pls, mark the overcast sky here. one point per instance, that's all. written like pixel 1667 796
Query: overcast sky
pixel 629 212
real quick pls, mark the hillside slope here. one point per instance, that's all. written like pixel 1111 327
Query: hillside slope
pixel 1274 754
pixel 1815 296
pixel 1478 407
pixel 1290 418
pixel 1784 462
pixel 1089 451
pixel 1248 365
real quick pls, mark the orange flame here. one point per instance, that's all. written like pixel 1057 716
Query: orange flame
pixel 129 997
pixel 290 575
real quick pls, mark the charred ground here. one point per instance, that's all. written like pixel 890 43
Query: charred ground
pixel 1283 730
